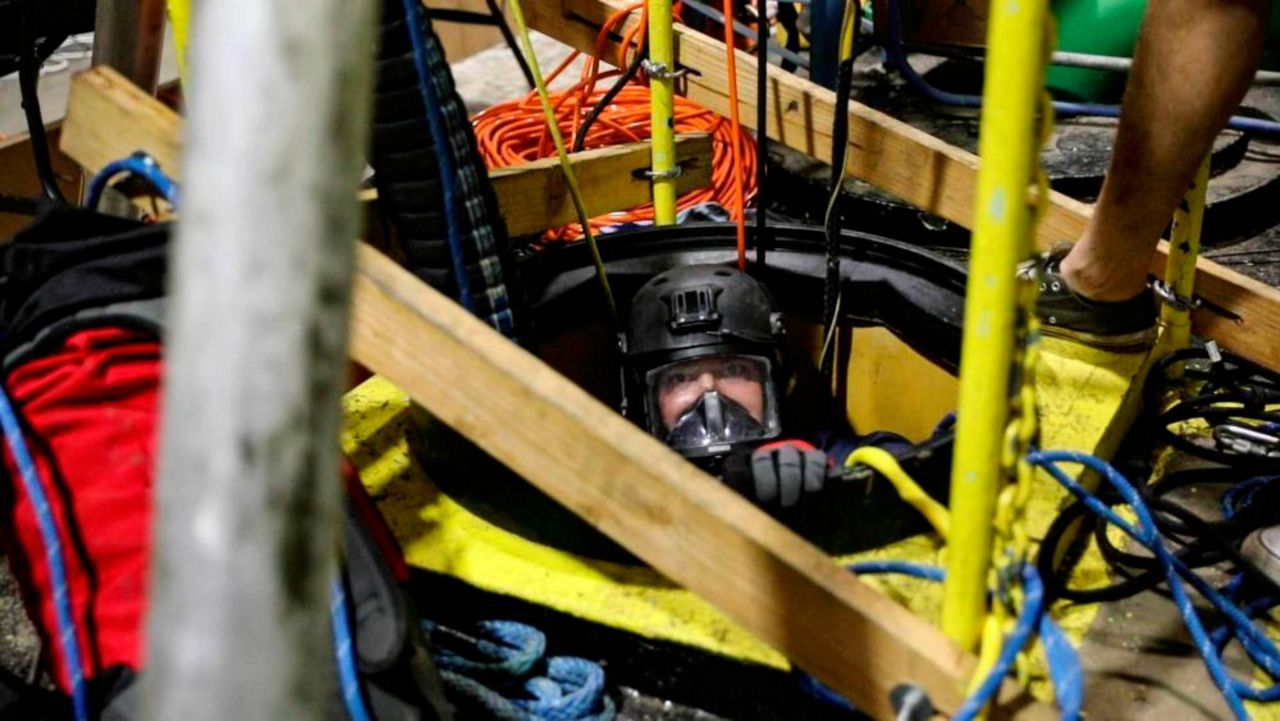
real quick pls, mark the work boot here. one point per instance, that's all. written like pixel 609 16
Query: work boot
pixel 1263 548
pixel 1126 325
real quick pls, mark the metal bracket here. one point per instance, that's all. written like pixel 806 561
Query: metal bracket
pixel 660 71
pixel 651 174
pixel 1171 298
pixel 1247 440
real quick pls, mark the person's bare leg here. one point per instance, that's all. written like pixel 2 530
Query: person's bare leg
pixel 1191 68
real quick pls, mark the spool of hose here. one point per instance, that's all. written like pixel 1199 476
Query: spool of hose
pixel 441 204
pixel 513 132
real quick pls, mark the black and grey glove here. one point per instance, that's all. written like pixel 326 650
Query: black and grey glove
pixel 784 471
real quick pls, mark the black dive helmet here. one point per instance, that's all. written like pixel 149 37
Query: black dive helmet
pixel 700 340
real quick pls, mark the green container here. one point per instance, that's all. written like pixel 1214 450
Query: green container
pixel 1110 27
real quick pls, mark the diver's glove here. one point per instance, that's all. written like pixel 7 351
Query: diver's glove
pixel 784 471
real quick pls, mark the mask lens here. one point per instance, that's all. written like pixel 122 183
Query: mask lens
pixel 712 400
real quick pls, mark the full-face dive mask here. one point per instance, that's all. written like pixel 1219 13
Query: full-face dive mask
pixel 705 352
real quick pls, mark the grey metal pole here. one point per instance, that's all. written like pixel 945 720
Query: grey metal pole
pixel 246 526
pixel 1121 65
pixel 128 35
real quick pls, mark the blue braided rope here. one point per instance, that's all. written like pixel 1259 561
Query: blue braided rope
pixel 348 679
pixel 68 638
pixel 1260 648
pixel 415 22
pixel 1064 663
pixel 471 176
pixel 1028 620
pixel 501 670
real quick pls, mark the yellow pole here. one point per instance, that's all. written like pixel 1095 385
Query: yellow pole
pixel 1007 146
pixel 662 63
pixel 1180 268
pixel 180 19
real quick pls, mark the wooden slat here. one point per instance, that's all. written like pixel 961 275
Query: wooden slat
pixel 108 118
pixel 533 196
pixel 632 487
pixel 909 163
pixel 18 174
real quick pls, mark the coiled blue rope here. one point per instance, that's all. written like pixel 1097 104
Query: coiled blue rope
pixel 68 638
pixel 348 678
pixel 139 164
pixel 1261 649
pixel 501 670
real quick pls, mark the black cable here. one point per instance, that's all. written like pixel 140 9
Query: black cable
pixel 839 144
pixel 28 75
pixel 464 17
pixel 787 18
pixel 1203 543
pixel 501 21
pixel 762 128
pixel 1214 388
pixel 19 205
pixel 580 139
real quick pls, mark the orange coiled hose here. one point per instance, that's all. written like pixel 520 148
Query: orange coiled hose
pixel 515 132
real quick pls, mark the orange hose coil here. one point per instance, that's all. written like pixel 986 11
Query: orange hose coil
pixel 515 132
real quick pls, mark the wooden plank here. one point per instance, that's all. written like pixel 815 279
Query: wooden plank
pixel 911 164
pixel 534 196
pixel 18 174
pixel 632 487
pixel 108 118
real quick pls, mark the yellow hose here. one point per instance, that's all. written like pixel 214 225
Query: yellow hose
pixel 882 461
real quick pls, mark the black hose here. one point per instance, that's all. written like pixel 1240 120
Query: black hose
pixel 408 177
pixel 510 39
pixel 833 224
pixel 787 18
pixel 28 79
pixel 762 129
pixel 580 139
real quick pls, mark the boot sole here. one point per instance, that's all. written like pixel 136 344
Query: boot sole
pixel 1124 343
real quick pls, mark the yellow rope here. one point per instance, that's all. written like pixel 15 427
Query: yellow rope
pixel 881 460
pixel 517 15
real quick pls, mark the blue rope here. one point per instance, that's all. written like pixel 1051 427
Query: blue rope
pixel 439 137
pixel 905 568
pixel 68 638
pixel 1064 663
pixel 139 164
pixel 348 679
pixel 1028 620
pixel 1260 648
pixel 1239 496
pixel 501 670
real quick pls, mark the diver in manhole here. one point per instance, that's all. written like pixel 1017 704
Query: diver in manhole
pixel 707 367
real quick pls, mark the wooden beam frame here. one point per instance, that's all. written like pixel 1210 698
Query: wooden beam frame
pixel 911 164
pixel 534 196
pixel 590 459
pixel 645 496
pixel 108 117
